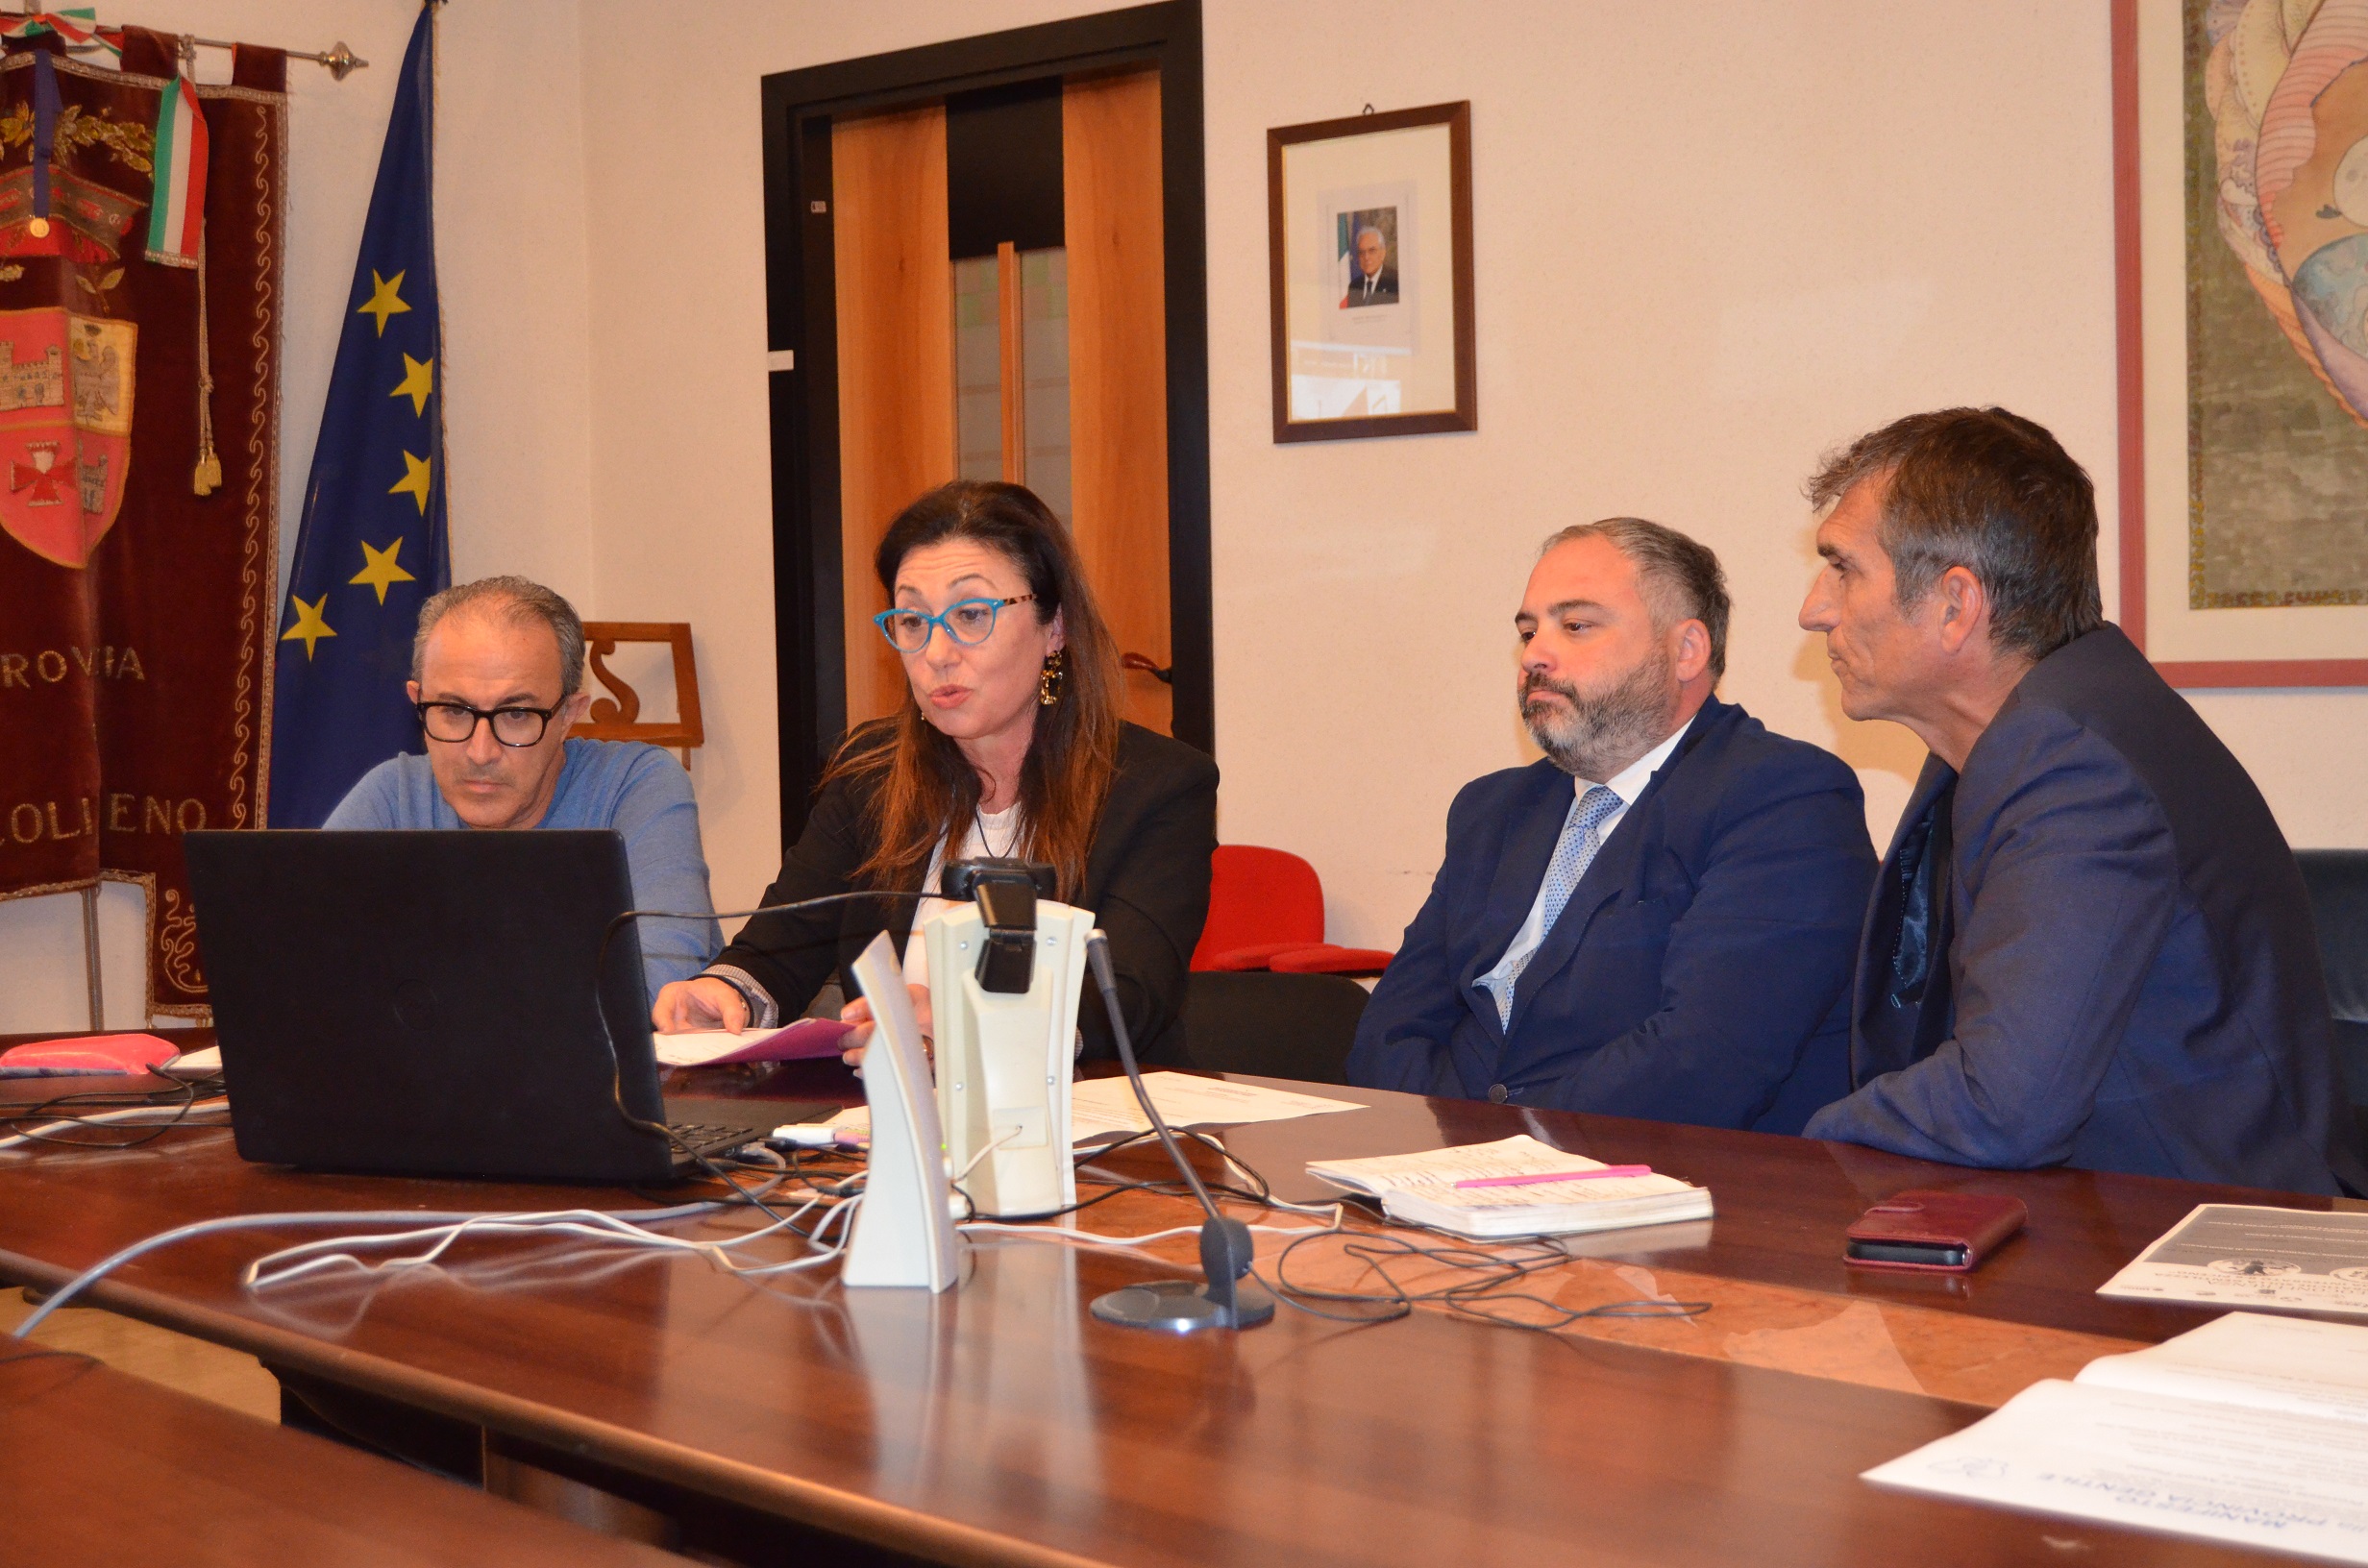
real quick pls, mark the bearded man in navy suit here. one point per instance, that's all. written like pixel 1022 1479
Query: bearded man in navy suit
pixel 1658 918
pixel 2090 944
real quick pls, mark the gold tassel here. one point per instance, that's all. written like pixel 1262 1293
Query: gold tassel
pixel 208 479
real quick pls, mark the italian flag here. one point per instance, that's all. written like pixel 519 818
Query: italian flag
pixel 79 25
pixel 177 212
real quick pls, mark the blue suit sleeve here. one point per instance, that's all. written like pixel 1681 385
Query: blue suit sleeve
pixel 2076 888
pixel 659 817
pixel 1753 967
pixel 1403 1038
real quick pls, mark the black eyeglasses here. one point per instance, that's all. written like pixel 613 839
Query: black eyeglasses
pixel 456 722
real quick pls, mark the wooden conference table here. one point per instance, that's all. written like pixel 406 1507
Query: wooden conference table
pixel 999 1423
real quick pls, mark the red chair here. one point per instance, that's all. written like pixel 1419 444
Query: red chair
pixel 1265 912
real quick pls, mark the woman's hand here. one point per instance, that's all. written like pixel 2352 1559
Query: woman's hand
pixel 859 1013
pixel 700 1002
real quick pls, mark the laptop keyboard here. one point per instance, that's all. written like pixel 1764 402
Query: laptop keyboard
pixel 712 1138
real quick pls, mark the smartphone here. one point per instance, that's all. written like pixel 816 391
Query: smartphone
pixel 1932 1229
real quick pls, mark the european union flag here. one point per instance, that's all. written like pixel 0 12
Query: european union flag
pixel 372 544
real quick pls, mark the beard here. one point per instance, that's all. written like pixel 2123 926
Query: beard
pixel 1606 729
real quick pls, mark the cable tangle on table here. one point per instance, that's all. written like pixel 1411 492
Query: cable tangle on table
pixel 111 1109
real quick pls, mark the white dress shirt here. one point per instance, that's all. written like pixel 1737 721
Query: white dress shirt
pixel 995 833
pixel 1628 784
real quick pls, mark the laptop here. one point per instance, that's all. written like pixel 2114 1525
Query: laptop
pixel 423 1004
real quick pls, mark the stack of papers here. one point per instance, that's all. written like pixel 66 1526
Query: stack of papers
pixel 2251 1430
pixel 1098 1107
pixel 1422 1189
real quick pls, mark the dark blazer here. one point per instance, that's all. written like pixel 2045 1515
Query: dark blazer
pixel 1146 880
pixel 1697 974
pixel 2129 980
pixel 1384 287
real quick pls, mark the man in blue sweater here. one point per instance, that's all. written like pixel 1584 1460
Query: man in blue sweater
pixel 497 671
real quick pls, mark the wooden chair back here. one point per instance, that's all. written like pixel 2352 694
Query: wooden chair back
pixel 617 716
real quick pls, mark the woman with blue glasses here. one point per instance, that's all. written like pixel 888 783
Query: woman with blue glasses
pixel 1011 744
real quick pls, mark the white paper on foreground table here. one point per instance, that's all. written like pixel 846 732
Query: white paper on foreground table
pixel 1100 1107
pixel 2251 1478
pixel 2252 1429
pixel 2251 1358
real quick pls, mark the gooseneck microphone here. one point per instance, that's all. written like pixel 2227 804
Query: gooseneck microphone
pixel 1179 1306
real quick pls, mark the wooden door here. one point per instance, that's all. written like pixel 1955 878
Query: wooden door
pixel 895 362
pixel 1118 368
pixel 896 324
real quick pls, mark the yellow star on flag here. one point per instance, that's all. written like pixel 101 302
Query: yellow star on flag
pixel 384 301
pixel 418 382
pixel 414 481
pixel 382 572
pixel 309 624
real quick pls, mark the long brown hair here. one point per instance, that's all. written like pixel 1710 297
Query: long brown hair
pixel 925 791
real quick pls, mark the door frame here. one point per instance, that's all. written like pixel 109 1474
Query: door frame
pixel 800 312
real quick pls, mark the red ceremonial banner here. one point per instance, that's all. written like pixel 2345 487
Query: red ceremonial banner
pixel 137 613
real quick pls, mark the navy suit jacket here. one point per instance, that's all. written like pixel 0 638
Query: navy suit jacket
pixel 2133 983
pixel 1700 973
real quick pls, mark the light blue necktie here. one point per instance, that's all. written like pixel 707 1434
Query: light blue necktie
pixel 1573 852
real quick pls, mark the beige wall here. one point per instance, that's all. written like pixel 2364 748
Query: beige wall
pixel 1711 241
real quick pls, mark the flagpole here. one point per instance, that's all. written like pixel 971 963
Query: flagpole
pixel 90 958
pixel 337 60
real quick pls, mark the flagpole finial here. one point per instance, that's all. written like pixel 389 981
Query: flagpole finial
pixel 340 60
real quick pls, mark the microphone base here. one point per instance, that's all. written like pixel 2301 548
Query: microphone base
pixel 1183 1307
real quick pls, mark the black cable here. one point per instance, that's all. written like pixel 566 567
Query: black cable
pixel 185 1095
pixel 616 1065
pixel 1534 1255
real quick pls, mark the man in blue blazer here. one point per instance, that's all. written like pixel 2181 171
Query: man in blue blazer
pixel 1658 918
pixel 2089 943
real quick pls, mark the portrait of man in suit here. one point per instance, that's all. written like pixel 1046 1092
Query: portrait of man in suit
pixel 1373 259
pixel 1659 917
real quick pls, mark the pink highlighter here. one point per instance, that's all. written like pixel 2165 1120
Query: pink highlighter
pixel 1535 1177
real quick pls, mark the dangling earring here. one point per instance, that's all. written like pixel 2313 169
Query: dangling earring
pixel 1048 682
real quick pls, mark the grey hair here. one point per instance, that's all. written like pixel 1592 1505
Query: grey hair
pixel 516 599
pixel 1375 229
pixel 1682 577
pixel 1989 491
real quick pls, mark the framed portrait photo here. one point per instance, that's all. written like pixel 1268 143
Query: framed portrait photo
pixel 1369 236
pixel 2241 154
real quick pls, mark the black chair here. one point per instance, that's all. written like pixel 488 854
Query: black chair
pixel 1275 1025
pixel 2338 883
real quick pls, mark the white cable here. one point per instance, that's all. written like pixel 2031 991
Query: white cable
pixel 965 1174
pixel 306 1258
pixel 409 1218
pixel 133 1115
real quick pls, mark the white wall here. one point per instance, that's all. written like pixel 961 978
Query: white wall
pixel 1711 241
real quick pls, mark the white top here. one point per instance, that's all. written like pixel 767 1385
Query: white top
pixel 1628 784
pixel 1002 835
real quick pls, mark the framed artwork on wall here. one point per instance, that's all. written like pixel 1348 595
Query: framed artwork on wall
pixel 1369 243
pixel 2240 162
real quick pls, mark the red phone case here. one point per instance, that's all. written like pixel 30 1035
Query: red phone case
pixel 1975 1221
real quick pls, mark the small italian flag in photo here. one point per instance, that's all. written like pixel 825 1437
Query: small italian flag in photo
pixel 177 213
